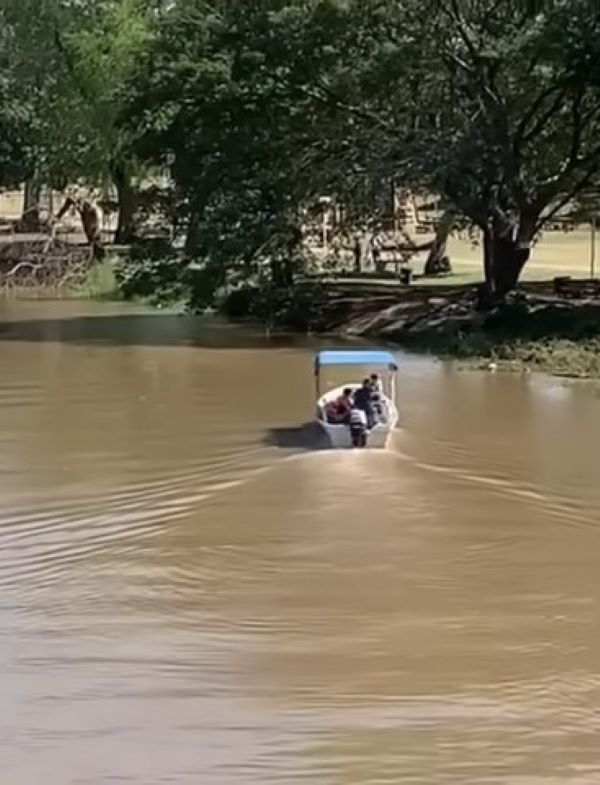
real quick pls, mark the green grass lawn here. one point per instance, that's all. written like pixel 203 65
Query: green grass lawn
pixel 557 253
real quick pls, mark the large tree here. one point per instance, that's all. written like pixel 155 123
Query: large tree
pixel 15 115
pixel 495 106
pixel 101 57
pixel 74 61
pixel 218 104
pixel 513 135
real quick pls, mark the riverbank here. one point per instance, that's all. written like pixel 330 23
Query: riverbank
pixel 37 264
pixel 535 330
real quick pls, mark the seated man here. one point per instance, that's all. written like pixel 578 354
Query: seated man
pixel 363 400
pixel 376 384
pixel 338 411
pixel 358 427
pixel 379 407
pixel 331 412
pixel 344 405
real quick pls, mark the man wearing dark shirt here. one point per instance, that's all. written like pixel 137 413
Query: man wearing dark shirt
pixel 363 399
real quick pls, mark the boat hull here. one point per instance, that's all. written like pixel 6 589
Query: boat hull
pixel 339 435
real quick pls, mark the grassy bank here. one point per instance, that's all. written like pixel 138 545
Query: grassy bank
pixel 571 359
pixel 99 283
pixel 480 347
pixel 535 330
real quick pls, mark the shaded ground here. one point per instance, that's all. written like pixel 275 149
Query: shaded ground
pixel 555 253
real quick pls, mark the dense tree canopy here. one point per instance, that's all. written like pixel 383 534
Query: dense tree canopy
pixel 492 105
pixel 256 109
pixel 514 137
pixel 72 62
pixel 15 116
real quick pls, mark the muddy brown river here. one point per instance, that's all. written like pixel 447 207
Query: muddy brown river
pixel 190 594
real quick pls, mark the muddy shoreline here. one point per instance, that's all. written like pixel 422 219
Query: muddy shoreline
pixel 537 329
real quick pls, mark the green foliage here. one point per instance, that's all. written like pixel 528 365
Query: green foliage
pixel 261 108
pixel 15 159
pixel 72 63
pixel 156 280
pixel 154 273
pixel 15 114
pixel 257 109
pixel 299 307
pixel 100 55
pixel 100 282
pixel 243 143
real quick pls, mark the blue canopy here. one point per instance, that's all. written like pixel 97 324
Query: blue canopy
pixel 355 357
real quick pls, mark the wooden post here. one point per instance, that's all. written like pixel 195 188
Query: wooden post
pixel 393 374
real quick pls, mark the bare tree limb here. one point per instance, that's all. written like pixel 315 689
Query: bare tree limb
pixel 579 186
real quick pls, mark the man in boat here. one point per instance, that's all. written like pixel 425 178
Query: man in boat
pixel 377 396
pixel 363 400
pixel 376 384
pixel 338 411
pixel 358 427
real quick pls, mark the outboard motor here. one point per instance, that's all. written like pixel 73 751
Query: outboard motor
pixel 358 428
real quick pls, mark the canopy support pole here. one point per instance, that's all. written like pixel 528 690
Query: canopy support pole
pixel 318 380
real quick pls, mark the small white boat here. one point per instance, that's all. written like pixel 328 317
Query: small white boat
pixel 340 435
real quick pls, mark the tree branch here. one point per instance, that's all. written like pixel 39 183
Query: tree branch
pixel 461 29
pixel 526 136
pixel 326 95
pixel 564 201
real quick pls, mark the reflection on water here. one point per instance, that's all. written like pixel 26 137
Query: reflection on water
pixel 189 594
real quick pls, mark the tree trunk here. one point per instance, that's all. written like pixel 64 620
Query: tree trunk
pixel 30 219
pixel 91 226
pixel 287 260
pixel 365 250
pixel 510 258
pixel 488 259
pixel 89 221
pixel 357 253
pixel 438 262
pixel 192 238
pixel 282 274
pixel 503 259
pixel 125 232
